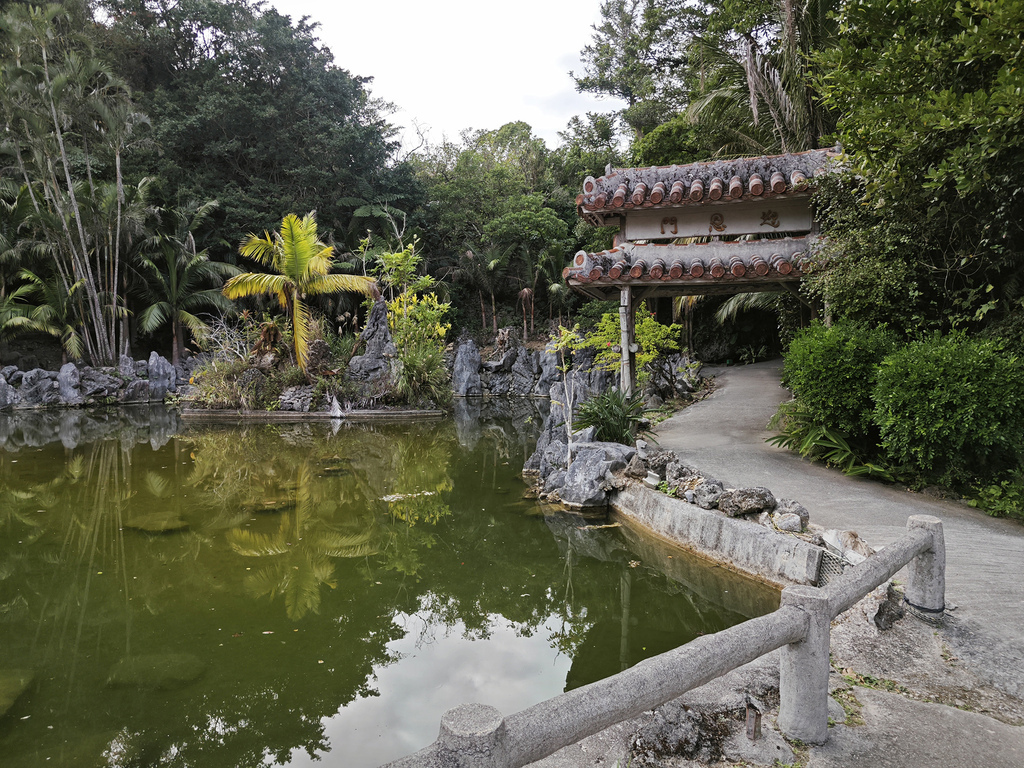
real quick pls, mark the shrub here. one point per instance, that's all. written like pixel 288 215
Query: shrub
pixel 952 409
pixel 1002 499
pixel 615 417
pixel 422 374
pixel 653 338
pixel 832 373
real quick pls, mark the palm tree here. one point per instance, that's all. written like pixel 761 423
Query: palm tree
pixel 55 314
pixel 303 264
pixel 174 273
pixel 758 91
pixel 14 312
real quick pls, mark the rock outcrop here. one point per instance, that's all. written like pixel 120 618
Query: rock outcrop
pixel 74 385
pixel 376 365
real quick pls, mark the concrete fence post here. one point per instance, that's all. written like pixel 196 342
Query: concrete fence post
pixel 472 736
pixel 804 668
pixel 926 584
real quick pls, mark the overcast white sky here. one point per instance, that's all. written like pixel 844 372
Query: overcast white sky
pixel 454 64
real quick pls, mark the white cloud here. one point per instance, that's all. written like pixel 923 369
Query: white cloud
pixel 455 64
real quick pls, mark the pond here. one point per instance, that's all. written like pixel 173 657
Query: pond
pixel 277 595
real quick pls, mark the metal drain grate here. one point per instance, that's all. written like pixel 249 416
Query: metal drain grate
pixel 831 567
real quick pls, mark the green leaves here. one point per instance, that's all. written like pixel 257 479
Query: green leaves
pixel 302 262
pixel 615 417
pixel 952 408
pixel 932 115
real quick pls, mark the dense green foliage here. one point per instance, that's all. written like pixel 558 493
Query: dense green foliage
pixel 832 372
pixel 952 409
pixel 248 107
pixel 930 97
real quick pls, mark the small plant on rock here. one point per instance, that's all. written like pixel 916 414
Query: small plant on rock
pixel 615 417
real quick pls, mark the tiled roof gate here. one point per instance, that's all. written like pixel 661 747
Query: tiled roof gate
pixel 723 227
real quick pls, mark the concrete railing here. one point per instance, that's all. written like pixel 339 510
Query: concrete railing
pixel 478 736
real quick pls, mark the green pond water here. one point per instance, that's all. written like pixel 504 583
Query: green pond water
pixel 305 594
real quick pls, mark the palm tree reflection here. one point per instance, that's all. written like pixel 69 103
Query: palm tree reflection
pixel 300 550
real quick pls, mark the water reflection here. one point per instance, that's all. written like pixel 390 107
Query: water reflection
pixel 260 595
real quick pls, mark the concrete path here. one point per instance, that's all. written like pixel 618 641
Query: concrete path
pixel 978 654
pixel 724 435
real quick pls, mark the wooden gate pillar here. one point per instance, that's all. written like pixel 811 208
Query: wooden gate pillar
pixel 627 327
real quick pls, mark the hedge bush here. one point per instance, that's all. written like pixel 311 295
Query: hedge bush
pixel 832 373
pixel 952 409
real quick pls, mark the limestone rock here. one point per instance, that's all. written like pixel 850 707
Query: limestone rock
pixel 376 362
pixel 636 468
pixel 786 521
pixel 554 457
pixel 588 479
pixel 8 395
pixel 297 399
pixel 156 671
pixel 554 481
pixel 137 391
pixel 466 371
pixel 69 382
pixel 852 542
pixel 39 388
pixel 549 373
pixel 126 367
pixel 498 383
pixel 99 384
pixel 584 436
pixel 162 377
pixel 657 461
pixel 677 473
pixel 504 363
pixel 13 683
pixel 747 501
pixel 790 506
pixel 525 371
pixel 707 494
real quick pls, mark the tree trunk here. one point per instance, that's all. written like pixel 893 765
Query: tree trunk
pixel 177 343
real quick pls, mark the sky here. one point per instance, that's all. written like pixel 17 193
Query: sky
pixel 448 65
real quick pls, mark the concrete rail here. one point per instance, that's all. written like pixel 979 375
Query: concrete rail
pixel 478 736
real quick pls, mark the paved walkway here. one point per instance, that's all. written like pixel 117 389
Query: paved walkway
pixel 981 643
pixel 724 436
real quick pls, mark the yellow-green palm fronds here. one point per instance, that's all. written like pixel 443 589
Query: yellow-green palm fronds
pixel 257 284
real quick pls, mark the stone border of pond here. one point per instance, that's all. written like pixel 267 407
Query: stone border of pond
pixel 737 544
pixel 296 417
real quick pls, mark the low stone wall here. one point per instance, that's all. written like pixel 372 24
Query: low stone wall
pixel 734 591
pixel 74 386
pixel 736 543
